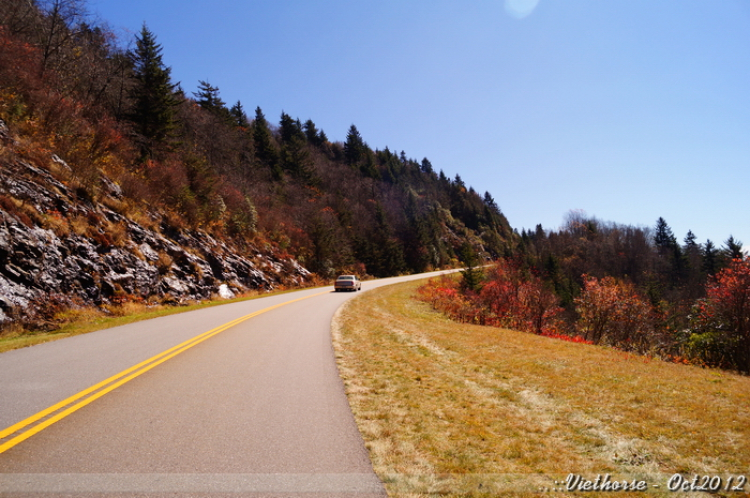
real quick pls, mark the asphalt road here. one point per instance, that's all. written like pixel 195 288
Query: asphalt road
pixel 252 409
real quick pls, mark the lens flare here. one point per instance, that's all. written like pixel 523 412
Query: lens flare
pixel 520 8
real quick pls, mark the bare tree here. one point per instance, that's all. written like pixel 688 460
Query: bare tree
pixel 19 17
pixel 57 30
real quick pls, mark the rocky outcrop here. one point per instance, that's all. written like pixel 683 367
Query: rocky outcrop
pixel 59 247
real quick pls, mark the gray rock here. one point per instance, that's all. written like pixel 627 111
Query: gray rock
pixel 91 269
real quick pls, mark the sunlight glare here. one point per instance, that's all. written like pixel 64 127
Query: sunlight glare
pixel 520 8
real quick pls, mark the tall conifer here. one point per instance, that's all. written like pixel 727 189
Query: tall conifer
pixel 265 151
pixel 154 102
pixel 238 115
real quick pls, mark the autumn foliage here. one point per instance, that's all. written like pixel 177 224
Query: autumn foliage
pixel 613 312
pixel 610 312
pixel 519 301
pixel 508 299
pixel 719 331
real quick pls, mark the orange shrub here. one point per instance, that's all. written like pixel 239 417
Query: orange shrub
pixel 612 311
pixel 509 299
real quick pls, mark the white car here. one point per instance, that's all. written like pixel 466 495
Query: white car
pixel 347 283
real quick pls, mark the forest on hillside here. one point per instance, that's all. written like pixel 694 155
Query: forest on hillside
pixel 69 88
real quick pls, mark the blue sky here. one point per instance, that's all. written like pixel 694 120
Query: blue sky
pixel 627 110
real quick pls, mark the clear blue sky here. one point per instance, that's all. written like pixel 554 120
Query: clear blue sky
pixel 626 109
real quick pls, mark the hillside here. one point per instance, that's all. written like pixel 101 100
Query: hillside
pixel 116 186
pixel 59 251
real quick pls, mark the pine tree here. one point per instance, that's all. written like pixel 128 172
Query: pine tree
pixel 239 118
pixel 311 132
pixel 710 258
pixel 290 129
pixel 733 248
pixel 207 96
pixel 664 238
pixel 153 94
pixel 472 274
pixel 294 154
pixel 354 147
pixel 381 251
pixel 694 263
pixel 672 261
pixel 265 152
pixel 459 183
pixel 690 239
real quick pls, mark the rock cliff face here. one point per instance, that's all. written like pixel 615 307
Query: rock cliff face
pixel 59 247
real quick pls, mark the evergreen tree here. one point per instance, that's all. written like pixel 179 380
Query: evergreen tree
pixel 207 96
pixel 710 258
pixel 694 260
pixel 314 136
pixel 472 274
pixel 381 251
pixel 290 129
pixel 690 239
pixel 295 156
pixel 672 264
pixel 358 154
pixel 354 147
pixel 417 237
pixel 311 132
pixel 391 165
pixel 265 152
pixel 489 201
pixel 664 238
pixel 237 112
pixel 733 248
pixel 459 183
pixel 152 93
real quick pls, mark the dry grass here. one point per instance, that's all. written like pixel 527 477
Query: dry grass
pixel 476 411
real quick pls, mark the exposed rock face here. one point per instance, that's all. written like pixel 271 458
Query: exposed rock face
pixel 59 249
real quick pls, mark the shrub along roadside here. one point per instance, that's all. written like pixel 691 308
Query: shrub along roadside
pixel 609 311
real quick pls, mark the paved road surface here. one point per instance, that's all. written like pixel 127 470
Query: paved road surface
pixel 257 409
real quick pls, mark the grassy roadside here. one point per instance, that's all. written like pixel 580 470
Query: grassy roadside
pixel 81 321
pixel 476 411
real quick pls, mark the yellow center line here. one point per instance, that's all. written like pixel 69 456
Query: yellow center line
pixel 116 381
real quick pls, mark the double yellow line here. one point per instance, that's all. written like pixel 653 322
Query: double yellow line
pixel 40 421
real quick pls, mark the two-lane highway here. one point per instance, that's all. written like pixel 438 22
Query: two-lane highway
pixel 237 399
